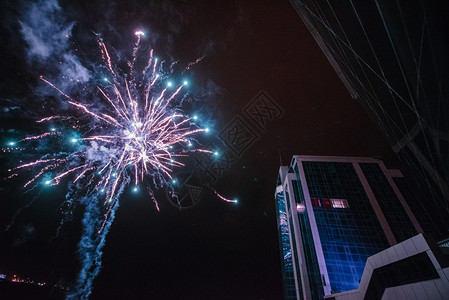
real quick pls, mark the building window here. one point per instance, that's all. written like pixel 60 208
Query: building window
pixel 300 207
pixel 339 203
pixel 315 202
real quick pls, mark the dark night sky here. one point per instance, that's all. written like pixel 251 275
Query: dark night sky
pixel 214 250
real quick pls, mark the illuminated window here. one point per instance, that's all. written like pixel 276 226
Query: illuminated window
pixel 340 203
pixel 315 202
pixel 300 207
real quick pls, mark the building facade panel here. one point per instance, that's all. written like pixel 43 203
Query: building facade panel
pixel 288 274
pixel 389 203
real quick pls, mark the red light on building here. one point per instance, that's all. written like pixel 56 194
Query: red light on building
pixel 327 203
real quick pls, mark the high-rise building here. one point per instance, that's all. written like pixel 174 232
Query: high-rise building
pixel 333 213
pixel 392 57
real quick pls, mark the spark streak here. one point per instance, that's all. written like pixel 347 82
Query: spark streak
pixel 38 136
pixel 225 199
pixel 48 118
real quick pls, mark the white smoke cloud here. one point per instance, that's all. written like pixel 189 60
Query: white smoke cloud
pixel 47 33
pixel 73 68
pixel 45 29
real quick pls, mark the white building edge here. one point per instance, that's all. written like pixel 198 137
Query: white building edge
pixel 432 289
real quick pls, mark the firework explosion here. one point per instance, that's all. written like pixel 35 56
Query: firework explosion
pixel 137 138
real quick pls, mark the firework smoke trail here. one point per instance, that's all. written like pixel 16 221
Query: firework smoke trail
pixel 90 246
pixel 136 135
